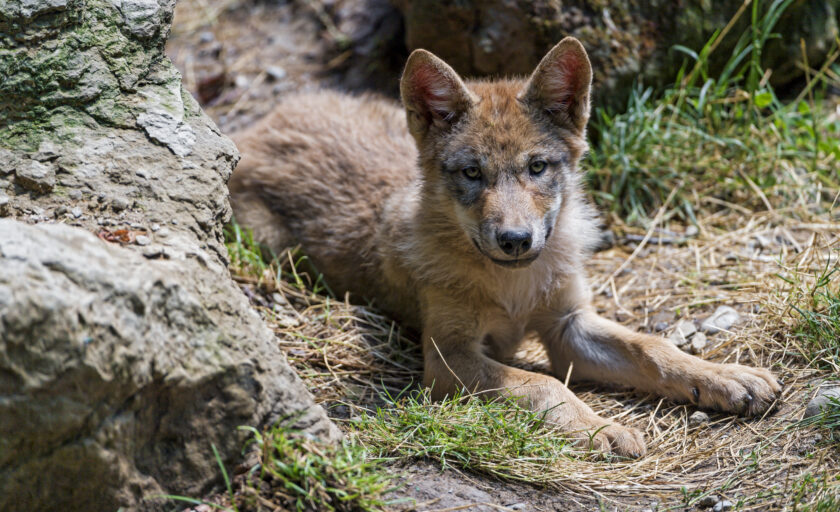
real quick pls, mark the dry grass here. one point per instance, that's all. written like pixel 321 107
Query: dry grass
pixel 350 355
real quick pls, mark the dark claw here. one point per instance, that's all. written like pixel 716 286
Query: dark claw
pixel 780 383
pixel 696 393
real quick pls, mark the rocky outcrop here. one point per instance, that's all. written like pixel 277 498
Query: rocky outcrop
pixel 625 40
pixel 126 351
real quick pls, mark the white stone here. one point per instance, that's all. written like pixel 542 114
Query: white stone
pixel 722 319
pixel 821 401
pixel 698 418
pixel 698 343
pixel 682 332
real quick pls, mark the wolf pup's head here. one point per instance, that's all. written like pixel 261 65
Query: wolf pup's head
pixel 499 156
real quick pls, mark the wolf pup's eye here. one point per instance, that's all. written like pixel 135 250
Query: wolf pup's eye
pixel 537 167
pixel 472 172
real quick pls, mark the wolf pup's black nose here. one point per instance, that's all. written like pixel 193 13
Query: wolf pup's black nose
pixel 515 241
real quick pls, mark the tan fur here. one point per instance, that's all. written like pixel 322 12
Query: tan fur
pixel 402 222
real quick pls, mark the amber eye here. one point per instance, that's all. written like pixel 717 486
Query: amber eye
pixel 472 172
pixel 537 167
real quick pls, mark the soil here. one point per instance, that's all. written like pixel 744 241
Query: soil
pixel 428 488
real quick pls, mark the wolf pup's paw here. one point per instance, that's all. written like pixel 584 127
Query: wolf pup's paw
pixel 735 388
pixel 613 438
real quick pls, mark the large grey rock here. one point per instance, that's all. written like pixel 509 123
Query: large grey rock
pixel 117 375
pixel 120 365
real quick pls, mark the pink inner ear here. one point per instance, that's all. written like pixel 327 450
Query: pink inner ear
pixel 433 91
pixel 562 82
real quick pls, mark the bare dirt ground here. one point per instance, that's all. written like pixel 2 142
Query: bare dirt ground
pixel 239 59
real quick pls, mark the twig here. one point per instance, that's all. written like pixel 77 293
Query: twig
pixel 641 245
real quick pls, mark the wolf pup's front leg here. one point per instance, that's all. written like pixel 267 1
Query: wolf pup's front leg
pixel 602 350
pixel 454 360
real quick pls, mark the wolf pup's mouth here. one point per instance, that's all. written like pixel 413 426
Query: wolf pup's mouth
pixel 516 263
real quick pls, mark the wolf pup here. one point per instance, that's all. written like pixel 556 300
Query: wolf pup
pixel 475 233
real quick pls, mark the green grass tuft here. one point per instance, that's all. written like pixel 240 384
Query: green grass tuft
pixel 818 330
pixel 728 136
pixel 253 262
pixel 493 437
pixel 246 255
pixel 815 493
pixel 311 475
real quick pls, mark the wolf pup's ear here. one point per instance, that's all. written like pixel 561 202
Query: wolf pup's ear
pixel 560 85
pixel 433 94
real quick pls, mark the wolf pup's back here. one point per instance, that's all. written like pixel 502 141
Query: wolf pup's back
pixel 320 171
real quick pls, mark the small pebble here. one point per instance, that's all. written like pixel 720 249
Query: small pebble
pixel 722 319
pixel 275 73
pixel 241 81
pixel 156 252
pixel 698 418
pixel 698 343
pixel 155 227
pixel 119 204
pixel 76 212
pixel 142 240
pixel 61 210
pixel 288 321
pixel 762 242
pixel 692 230
pixel 660 326
pixel 206 37
pixel 722 506
pixel 710 500
pixel 682 332
pixel 278 298
pixel 518 506
pixel 75 194
pixel 822 401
